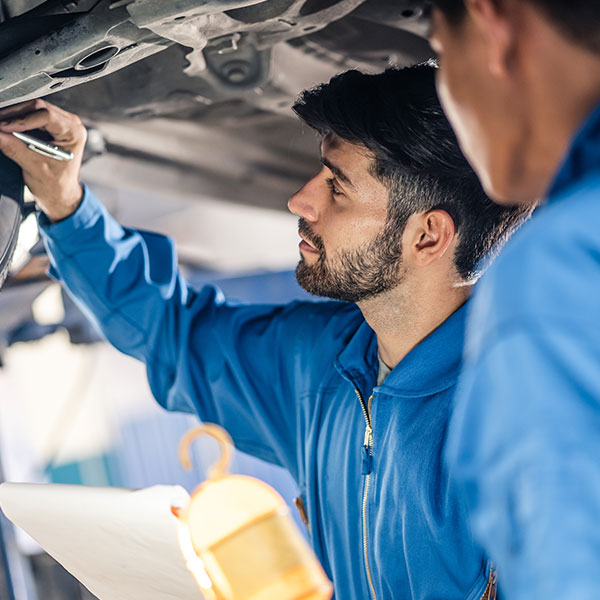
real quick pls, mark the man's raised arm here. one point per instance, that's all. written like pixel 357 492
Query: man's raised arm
pixel 227 364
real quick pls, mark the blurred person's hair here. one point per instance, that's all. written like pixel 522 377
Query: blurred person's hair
pixel 397 116
pixel 577 20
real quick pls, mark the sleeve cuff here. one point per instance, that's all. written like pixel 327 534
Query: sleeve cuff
pixel 86 214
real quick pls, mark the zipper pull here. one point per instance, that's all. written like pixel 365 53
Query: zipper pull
pixel 368 437
pixel 367 461
pixel 367 457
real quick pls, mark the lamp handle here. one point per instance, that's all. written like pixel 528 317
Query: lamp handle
pixel 220 468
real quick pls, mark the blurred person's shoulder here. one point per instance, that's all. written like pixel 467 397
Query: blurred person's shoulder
pixel 549 272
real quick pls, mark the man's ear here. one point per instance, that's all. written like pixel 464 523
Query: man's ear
pixel 428 236
pixel 496 21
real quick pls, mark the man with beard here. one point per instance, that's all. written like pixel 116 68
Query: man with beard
pixel 520 80
pixel 351 397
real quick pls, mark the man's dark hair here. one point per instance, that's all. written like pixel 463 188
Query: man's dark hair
pixel 397 116
pixel 577 20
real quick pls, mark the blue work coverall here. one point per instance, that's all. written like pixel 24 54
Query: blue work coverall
pixel 525 436
pixel 296 385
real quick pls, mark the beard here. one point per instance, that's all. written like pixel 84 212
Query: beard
pixel 353 275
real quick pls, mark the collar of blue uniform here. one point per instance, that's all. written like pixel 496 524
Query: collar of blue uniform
pixel 583 156
pixel 430 367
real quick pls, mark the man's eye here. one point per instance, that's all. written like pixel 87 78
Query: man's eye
pixel 331 185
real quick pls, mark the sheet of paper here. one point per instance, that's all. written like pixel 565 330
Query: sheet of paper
pixel 121 544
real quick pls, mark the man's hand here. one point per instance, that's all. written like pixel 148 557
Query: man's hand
pixel 55 184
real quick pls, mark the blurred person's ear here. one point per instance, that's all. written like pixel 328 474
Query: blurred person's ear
pixel 496 22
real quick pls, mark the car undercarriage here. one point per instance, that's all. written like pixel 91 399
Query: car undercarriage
pixel 196 94
pixel 195 59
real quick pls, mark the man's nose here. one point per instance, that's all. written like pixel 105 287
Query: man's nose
pixel 305 202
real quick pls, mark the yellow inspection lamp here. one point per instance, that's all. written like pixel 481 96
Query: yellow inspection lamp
pixel 239 540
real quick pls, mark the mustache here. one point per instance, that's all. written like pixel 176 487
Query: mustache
pixel 306 231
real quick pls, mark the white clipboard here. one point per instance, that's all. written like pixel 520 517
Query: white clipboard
pixel 121 544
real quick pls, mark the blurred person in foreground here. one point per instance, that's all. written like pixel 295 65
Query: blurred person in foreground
pixel 520 83
pixel 351 397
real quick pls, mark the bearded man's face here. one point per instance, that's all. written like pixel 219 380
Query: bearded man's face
pixel 354 274
pixel 350 248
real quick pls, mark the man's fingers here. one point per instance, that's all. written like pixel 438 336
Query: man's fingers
pixel 38 119
pixel 13 148
pixel 18 151
pixel 64 127
pixel 21 109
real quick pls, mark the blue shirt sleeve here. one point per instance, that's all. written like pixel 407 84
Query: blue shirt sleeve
pixel 526 444
pixel 232 365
